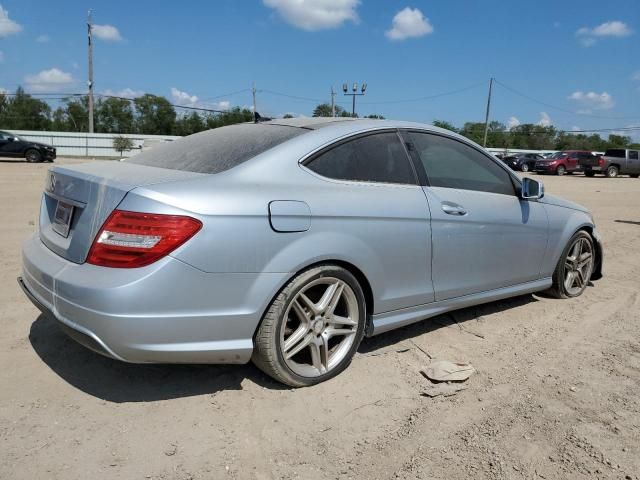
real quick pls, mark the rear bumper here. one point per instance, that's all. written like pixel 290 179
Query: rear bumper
pixel 167 312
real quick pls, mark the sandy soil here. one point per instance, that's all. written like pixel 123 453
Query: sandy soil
pixel 557 393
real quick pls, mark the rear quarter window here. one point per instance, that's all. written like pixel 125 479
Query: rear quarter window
pixel 217 150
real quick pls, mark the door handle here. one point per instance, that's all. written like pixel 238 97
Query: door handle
pixel 453 209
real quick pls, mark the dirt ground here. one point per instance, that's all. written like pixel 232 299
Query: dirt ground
pixel 556 395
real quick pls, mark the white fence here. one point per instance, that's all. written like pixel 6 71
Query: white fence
pixel 77 144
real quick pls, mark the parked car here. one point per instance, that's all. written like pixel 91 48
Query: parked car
pixel 523 161
pixel 562 162
pixel 287 242
pixel 614 162
pixel 12 145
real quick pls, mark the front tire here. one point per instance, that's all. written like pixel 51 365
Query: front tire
pixel 313 328
pixel 574 269
pixel 33 156
pixel 561 170
pixel 525 167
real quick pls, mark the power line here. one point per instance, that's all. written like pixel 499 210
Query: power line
pixel 428 97
pixel 524 95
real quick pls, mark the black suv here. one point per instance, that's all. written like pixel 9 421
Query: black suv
pixel 13 146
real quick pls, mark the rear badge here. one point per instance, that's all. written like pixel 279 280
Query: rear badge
pixel 62 219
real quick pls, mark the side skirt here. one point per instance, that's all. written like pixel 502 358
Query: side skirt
pixel 384 322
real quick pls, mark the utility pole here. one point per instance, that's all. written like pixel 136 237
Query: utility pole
pixel 333 102
pixel 90 62
pixel 255 112
pixel 486 117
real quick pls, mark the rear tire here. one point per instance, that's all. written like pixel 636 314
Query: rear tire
pixel 33 156
pixel 313 328
pixel 574 269
pixel 561 170
pixel 524 167
pixel 612 171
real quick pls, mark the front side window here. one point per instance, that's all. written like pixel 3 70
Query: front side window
pixel 375 158
pixel 452 164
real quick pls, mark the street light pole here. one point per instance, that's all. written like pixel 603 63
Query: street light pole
pixel 354 93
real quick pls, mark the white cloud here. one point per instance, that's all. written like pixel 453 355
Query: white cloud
pixel 54 80
pixel 187 100
pixel 512 122
pixel 615 28
pixel 8 26
pixel 42 38
pixel 108 33
pixel 636 76
pixel 409 23
pixel 124 93
pixel 1 56
pixel 545 120
pixel 183 98
pixel 575 128
pixel 312 15
pixel 3 90
pixel 593 100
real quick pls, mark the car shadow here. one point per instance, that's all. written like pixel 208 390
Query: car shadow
pixel 458 318
pixel 119 382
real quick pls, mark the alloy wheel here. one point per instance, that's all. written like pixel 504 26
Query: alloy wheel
pixel 319 327
pixel 578 266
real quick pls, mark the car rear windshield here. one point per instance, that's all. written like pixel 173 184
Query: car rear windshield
pixel 217 150
pixel 616 152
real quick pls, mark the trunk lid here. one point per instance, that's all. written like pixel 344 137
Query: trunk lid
pixel 88 193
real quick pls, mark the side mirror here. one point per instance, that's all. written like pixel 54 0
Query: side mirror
pixel 531 189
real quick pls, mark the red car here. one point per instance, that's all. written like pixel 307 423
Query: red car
pixel 563 162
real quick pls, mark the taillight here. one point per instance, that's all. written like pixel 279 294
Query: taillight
pixel 601 161
pixel 132 239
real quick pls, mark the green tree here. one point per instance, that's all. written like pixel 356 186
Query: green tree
pixel 444 124
pixel 122 144
pixel 154 115
pixel 324 110
pixel 375 116
pixel 189 124
pixel 23 112
pixel 114 115
pixel 230 117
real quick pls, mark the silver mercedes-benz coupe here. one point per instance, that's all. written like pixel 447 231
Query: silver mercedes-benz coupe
pixel 286 242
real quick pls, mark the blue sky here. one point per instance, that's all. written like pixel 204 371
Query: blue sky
pixel 579 57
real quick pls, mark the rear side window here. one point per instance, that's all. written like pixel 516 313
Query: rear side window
pixel 452 164
pixel 615 152
pixel 633 155
pixel 217 150
pixel 375 158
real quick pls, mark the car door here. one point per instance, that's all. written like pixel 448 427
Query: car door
pixel 373 195
pixel 484 236
pixel 4 145
pixel 633 162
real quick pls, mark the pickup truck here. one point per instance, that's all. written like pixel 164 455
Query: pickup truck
pixel 614 162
